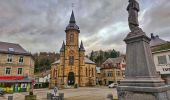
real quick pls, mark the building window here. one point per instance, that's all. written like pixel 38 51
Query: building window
pixel 9 58
pixel 71 60
pixel 21 59
pixel 19 71
pixel 72 38
pixel 8 71
pixel 110 74
pixel 118 73
pixel 162 60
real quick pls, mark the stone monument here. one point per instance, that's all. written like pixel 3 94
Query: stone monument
pixel 141 82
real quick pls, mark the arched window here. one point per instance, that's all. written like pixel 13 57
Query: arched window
pixel 72 38
pixel 58 72
pixel 92 72
pixel 86 71
pixel 71 60
pixel 54 73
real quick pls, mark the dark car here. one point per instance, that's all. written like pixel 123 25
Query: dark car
pixel 2 92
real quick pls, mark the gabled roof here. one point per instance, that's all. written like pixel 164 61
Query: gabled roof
pixel 155 40
pixel 12 48
pixel 114 60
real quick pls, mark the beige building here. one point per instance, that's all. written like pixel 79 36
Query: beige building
pixel 112 70
pixel 73 67
pixel 16 66
pixel 161 56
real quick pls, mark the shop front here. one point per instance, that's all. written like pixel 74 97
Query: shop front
pixel 12 84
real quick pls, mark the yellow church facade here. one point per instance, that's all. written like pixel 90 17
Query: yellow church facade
pixel 73 67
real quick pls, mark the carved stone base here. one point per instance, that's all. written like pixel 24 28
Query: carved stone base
pixel 143 93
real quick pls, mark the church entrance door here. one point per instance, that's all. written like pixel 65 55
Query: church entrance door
pixel 71 79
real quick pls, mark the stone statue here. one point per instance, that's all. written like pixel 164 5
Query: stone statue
pixel 133 9
pixel 55 90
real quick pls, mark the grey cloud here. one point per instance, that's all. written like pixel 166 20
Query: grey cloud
pixel 38 25
pixel 157 19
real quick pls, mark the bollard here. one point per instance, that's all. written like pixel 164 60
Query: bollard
pixel 56 98
pixel 48 96
pixel 109 97
pixel 61 95
pixel 10 97
pixel 52 95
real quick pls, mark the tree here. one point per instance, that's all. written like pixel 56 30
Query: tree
pixel 100 56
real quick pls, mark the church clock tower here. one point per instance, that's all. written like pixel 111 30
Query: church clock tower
pixel 72 52
pixel 73 67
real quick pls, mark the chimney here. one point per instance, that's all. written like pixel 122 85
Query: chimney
pixel 152 36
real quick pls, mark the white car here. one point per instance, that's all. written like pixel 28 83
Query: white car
pixel 113 85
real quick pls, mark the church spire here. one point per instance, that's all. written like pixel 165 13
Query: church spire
pixel 82 47
pixel 63 47
pixel 72 18
pixel 72 24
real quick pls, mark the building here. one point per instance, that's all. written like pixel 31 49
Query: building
pixel 112 70
pixel 16 67
pixel 42 79
pixel 98 76
pixel 73 67
pixel 161 56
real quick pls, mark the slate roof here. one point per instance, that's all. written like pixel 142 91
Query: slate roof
pixel 87 61
pixel 62 47
pixel 72 24
pixel 114 60
pixel 56 62
pixel 82 47
pixel 12 48
pixel 155 40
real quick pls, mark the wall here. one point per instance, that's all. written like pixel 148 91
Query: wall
pixel 27 65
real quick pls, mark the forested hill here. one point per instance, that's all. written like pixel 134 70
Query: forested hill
pixel 100 56
pixel 43 60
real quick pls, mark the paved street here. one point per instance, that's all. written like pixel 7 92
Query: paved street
pixel 83 93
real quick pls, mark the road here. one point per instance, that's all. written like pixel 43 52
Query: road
pixel 82 93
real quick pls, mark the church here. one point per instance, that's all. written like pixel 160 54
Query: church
pixel 73 68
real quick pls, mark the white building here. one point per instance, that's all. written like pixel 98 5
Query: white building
pixel 43 77
pixel 161 56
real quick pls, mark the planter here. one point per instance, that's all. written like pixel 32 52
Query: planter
pixel 31 97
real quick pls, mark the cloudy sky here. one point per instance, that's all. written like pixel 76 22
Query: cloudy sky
pixel 38 25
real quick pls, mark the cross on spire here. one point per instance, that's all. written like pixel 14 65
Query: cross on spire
pixel 72 5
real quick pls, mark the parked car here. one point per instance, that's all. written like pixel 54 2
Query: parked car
pixel 2 92
pixel 113 85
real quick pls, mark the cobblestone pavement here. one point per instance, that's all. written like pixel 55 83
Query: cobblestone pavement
pixel 83 93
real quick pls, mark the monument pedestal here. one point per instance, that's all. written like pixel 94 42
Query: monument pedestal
pixel 141 79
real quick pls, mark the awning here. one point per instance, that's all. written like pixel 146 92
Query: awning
pixel 14 79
